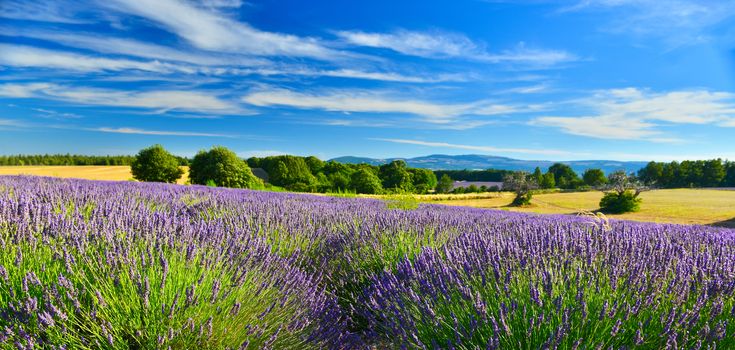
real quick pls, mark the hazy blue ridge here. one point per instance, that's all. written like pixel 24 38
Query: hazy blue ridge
pixel 477 161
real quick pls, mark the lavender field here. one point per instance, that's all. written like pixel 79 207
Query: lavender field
pixel 119 265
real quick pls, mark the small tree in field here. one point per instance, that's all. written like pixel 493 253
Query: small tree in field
pixel 522 184
pixel 621 194
pixel 445 184
pixel 155 164
pixel 222 167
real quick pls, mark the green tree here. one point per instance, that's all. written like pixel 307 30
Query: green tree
pixel 713 172
pixel 729 180
pixel 155 164
pixel 652 173
pixel 290 172
pixel 223 167
pixel 423 180
pixel 537 175
pixel 522 184
pixel 564 175
pixel 594 177
pixel 445 184
pixel 365 181
pixel 548 181
pixel 621 194
pixel 315 164
pixel 395 175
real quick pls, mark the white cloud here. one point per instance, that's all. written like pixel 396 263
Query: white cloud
pixel 136 131
pixel 362 101
pixel 451 45
pixel 212 31
pixel 162 100
pixel 25 56
pixel 135 48
pixel 678 22
pixel 353 101
pixel 40 10
pixel 635 114
pixel 488 149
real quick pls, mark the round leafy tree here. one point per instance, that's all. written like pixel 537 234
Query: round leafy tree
pixel 222 167
pixel 155 164
pixel 365 181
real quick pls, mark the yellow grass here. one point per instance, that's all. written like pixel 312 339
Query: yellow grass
pixel 682 206
pixel 89 172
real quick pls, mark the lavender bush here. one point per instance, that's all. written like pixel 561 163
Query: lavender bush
pixel 89 265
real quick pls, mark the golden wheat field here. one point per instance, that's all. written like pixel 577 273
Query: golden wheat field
pixel 681 206
pixel 88 172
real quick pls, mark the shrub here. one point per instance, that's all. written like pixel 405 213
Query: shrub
pixel 522 184
pixel 222 166
pixel 155 164
pixel 618 203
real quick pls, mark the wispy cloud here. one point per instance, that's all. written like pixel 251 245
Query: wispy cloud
pixel 212 31
pixel 452 45
pixel 25 56
pixel 488 149
pixel 635 114
pixel 137 131
pixel 169 59
pixel 54 11
pixel 135 48
pixel 371 101
pixel 678 22
pixel 162 100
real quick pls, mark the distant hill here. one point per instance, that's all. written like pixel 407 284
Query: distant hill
pixel 479 162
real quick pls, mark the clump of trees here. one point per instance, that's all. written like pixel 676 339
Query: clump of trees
pixel 621 194
pixel 522 184
pixel 697 173
pixel 222 167
pixel 310 174
pixel 155 164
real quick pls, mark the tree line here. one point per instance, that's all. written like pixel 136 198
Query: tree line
pixel 220 166
pixel 689 173
pixel 63 159
pixel 310 174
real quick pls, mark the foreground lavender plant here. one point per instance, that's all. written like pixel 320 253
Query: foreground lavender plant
pixel 89 265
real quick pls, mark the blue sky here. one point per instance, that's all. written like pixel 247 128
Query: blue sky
pixel 534 79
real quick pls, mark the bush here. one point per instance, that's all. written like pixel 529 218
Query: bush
pixel 618 203
pixel 222 166
pixel 155 164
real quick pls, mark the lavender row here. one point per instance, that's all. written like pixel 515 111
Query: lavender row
pixel 123 265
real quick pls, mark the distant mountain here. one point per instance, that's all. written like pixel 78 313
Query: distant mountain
pixel 480 162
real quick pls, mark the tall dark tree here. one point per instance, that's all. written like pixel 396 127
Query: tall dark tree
pixel 652 173
pixel 594 177
pixel 564 176
pixel 445 184
pixel 155 164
